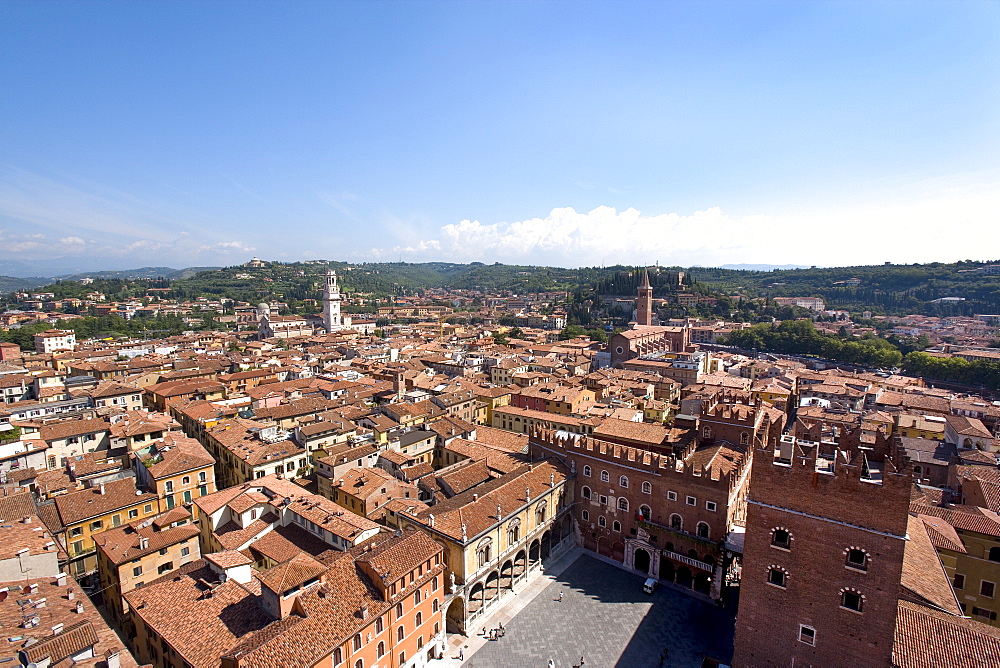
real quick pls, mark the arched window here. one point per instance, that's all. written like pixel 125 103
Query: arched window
pixel 360 663
pixel 400 634
pixel 380 650
pixel 434 605
pixel 434 583
pixel 777 576
pixel 647 488
pixel 702 530
pixel 338 656
pixel 601 521
pixel 484 555
pixel 781 538
pixel 416 596
pixel 622 503
pixel 513 534
pixel 857 558
pixel 420 619
pixel 852 599
pixel 744 438
pixel 676 522
pixel 616 526
pixel 623 482
pixel 586 515
pixel 586 492
pixel 707 432
pixel 357 642
pixel 379 626
pixel 540 511
pixel 645 511
pixel 605 476
pixel 586 471
pixel 399 610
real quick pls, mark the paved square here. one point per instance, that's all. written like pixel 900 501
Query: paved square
pixel 606 618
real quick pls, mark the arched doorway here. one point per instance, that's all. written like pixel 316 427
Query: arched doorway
pixel 640 560
pixel 533 552
pixel 567 527
pixel 703 583
pixel 546 544
pixel 684 577
pixel 455 620
pixel 666 569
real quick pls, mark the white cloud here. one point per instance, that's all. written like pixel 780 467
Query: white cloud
pixel 228 247
pixel 946 225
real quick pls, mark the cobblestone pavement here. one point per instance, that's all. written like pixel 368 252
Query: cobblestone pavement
pixel 606 618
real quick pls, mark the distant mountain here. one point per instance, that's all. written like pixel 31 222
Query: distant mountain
pixel 142 272
pixel 763 267
pixel 12 283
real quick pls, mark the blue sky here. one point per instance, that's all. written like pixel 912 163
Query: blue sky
pixel 569 133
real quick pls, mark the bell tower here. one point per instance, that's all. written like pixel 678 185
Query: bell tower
pixel 644 304
pixel 331 303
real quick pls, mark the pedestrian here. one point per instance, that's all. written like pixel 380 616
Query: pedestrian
pixel 581 661
pixel 484 631
pixel 461 654
pixel 552 664
pixel 561 596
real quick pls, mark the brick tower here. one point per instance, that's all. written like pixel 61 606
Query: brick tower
pixel 823 555
pixel 644 304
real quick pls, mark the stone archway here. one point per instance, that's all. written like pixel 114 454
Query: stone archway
pixel 546 544
pixel 520 563
pixel 666 569
pixel 640 560
pixel 492 586
pixel 476 598
pixel 507 575
pixel 455 618
pixel 703 583
pixel 684 577
pixel 533 552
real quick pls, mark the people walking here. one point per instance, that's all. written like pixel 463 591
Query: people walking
pixel 552 664
pixel 461 654
pixel 561 596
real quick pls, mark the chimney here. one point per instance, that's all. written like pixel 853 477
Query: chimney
pixel 61 579
pixel 57 629
pixel 79 607
pixel 102 489
pixel 70 594
pixel 143 543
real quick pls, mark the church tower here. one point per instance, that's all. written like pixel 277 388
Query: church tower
pixel 644 304
pixel 331 303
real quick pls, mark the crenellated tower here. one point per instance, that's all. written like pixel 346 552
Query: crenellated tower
pixel 823 554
